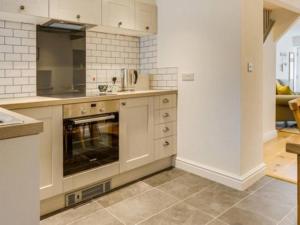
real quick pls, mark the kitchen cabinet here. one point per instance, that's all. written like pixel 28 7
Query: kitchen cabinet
pixel 76 11
pixel 50 150
pixel 118 13
pixel 27 7
pixel 145 16
pixel 136 133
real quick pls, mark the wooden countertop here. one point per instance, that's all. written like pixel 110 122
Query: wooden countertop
pixel 32 102
pixel 28 126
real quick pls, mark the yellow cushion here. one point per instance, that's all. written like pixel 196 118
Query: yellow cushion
pixel 283 89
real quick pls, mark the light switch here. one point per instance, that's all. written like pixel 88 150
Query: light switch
pixel 250 67
pixel 188 77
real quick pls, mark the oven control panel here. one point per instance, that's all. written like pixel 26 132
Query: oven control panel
pixel 90 108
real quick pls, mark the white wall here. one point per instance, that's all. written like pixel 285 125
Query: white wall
pixel 204 37
pixel 269 91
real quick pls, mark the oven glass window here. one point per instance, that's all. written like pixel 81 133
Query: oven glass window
pixel 90 144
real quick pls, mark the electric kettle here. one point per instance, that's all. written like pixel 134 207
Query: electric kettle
pixel 129 79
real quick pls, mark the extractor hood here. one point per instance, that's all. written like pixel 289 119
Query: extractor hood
pixel 60 24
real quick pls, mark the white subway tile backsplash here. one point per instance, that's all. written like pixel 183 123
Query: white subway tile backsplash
pixel 17 56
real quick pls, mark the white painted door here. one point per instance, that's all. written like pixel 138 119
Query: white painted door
pixel 27 7
pixel 145 17
pixel 51 149
pixel 76 11
pixel 136 133
pixel 118 13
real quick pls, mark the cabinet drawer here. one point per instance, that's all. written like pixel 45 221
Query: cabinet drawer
pixel 165 147
pixel 165 116
pixel 165 101
pixel 165 130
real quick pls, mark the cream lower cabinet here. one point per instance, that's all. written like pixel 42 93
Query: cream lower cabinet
pixel 27 7
pixel 51 149
pixel 136 132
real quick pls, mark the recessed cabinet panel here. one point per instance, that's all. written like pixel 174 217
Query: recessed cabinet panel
pixel 118 13
pixel 136 133
pixel 145 17
pixel 26 7
pixel 51 152
pixel 76 10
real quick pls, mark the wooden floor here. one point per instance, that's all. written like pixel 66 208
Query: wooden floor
pixel 280 164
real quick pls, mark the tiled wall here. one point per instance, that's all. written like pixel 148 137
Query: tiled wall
pixel 160 78
pixel 107 54
pixel 17 59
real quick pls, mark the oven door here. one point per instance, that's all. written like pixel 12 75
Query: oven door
pixel 90 142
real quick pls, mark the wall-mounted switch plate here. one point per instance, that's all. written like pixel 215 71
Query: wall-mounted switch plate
pixel 250 67
pixel 188 77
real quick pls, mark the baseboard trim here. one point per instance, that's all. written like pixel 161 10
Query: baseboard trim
pixel 228 179
pixel 270 135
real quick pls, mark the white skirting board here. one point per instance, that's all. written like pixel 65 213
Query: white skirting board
pixel 270 135
pixel 231 180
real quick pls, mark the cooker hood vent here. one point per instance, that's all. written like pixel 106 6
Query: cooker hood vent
pixel 60 24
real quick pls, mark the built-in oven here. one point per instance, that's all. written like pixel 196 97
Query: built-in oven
pixel 91 136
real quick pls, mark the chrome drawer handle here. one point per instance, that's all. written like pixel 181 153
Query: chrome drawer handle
pixel 166 115
pixel 166 129
pixel 166 100
pixel 166 144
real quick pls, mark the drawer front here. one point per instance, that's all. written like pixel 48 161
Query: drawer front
pixel 165 101
pixel 165 147
pixel 165 130
pixel 165 116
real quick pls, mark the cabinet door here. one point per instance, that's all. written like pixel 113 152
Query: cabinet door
pixel 28 7
pixel 51 149
pixel 76 10
pixel 136 133
pixel 118 13
pixel 145 17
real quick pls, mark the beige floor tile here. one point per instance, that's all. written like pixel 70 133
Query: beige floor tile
pixel 185 185
pixel 271 208
pixel 279 191
pixel 217 222
pixel 178 215
pixel 123 193
pixel 72 214
pixel 237 216
pixel 216 199
pixel 164 177
pixel 291 219
pixel 134 210
pixel 259 184
pixel 101 217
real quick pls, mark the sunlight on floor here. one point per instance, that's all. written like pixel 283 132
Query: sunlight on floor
pixel 280 164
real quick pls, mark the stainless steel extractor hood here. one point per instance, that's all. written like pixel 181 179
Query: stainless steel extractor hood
pixel 60 24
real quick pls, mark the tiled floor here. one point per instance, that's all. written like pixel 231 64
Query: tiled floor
pixel 175 197
pixel 281 164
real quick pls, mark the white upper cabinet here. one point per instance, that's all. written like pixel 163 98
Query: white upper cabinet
pixel 118 13
pixel 76 10
pixel 145 16
pixel 27 7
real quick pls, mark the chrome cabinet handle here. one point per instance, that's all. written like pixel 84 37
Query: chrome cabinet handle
pixel 120 24
pixel 78 16
pixel 22 7
pixel 166 129
pixel 166 144
pixel 166 115
pixel 165 100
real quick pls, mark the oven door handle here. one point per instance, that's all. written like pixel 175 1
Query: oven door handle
pixel 96 119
